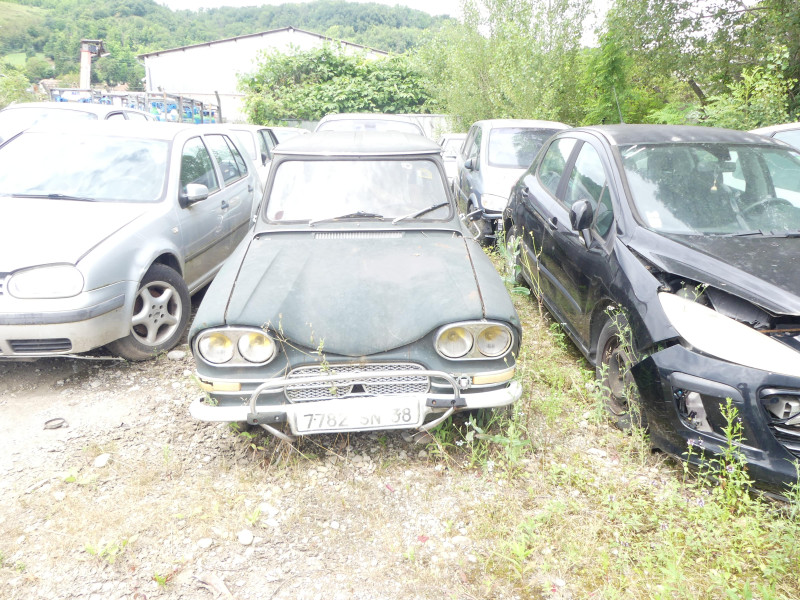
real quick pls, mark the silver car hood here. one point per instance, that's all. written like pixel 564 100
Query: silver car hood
pixel 43 231
pixel 499 181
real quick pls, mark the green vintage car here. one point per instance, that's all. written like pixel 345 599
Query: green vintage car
pixel 359 301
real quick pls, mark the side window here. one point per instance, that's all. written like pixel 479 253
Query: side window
pixel 268 141
pixel 263 148
pixel 230 161
pixel 197 167
pixel 588 182
pixel 117 116
pixel 555 159
pixel 475 150
pixel 468 143
pixel 132 116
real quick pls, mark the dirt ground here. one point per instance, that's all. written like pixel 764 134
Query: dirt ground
pixel 132 498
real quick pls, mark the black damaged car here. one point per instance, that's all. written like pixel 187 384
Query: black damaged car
pixel 671 255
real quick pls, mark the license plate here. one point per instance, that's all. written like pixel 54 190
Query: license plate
pixel 357 415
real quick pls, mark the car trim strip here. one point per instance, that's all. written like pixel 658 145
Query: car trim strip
pixel 69 316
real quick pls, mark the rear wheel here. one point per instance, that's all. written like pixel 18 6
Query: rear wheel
pixel 613 371
pixel 160 315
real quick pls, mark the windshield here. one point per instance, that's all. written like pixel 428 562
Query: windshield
pixel 83 166
pixel 515 147
pixel 452 146
pixel 714 188
pixel 369 125
pixel 311 190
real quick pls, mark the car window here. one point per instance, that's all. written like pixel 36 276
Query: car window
pixel 515 147
pixel 197 167
pixel 117 116
pixel 247 141
pixel 719 188
pixel 474 150
pixel 305 190
pixel 587 181
pixel 451 146
pixel 467 145
pixel 71 165
pixel 265 142
pixel 230 161
pixel 555 160
pixel 134 116
pixel 791 137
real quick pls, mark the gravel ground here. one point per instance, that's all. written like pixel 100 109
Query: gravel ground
pixel 131 498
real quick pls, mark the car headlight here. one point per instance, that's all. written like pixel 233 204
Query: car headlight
pixel 235 346
pixel 53 281
pixel 720 336
pixel 454 342
pixel 494 203
pixel 494 341
pixel 256 347
pixel 215 347
pixel 474 340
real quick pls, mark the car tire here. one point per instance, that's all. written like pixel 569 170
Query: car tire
pixel 513 249
pixel 160 315
pixel 618 388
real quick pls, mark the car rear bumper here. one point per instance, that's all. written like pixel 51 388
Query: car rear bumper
pixel 682 393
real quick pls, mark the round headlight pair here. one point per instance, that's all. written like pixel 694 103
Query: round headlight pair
pixel 474 340
pixel 223 345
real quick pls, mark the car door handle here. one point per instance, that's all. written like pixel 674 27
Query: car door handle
pixel 224 205
pixel 553 223
pixel 526 191
pixel 249 187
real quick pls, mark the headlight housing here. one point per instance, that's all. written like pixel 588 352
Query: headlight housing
pixel 474 340
pixel 493 203
pixel 51 281
pixel 720 336
pixel 234 346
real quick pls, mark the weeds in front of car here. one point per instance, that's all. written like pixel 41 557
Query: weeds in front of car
pixel 109 551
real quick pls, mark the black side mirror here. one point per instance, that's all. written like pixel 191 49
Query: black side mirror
pixel 581 215
pixel 469 164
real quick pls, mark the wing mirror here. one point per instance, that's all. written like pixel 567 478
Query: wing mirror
pixel 469 164
pixel 264 159
pixel 581 215
pixel 195 192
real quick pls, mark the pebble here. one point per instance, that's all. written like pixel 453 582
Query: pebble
pixel 59 496
pixel 245 537
pixel 176 355
pixel 205 543
pixel 422 454
pixel 461 540
pixel 102 460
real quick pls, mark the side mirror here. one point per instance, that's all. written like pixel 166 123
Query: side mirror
pixel 581 215
pixel 469 164
pixel 195 192
pixel 264 158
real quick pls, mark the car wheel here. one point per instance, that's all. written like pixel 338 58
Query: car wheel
pixel 160 315
pixel 513 250
pixel 613 371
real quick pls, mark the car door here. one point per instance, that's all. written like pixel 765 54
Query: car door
pixel 468 176
pixel 202 222
pixel 238 187
pixel 538 213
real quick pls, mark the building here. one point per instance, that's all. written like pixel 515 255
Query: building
pixel 209 72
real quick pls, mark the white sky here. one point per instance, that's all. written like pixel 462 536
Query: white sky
pixel 434 7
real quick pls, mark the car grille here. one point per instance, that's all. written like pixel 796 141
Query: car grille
pixel 358 235
pixel 39 346
pixel 3 277
pixel 783 414
pixel 364 386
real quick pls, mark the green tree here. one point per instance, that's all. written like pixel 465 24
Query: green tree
pixel 13 86
pixel 310 84
pixel 38 68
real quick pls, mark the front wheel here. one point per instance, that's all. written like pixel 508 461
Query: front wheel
pixel 160 315
pixel 613 371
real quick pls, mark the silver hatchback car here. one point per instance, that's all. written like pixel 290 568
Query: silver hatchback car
pixel 107 228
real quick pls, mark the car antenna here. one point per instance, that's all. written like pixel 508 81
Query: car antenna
pixel 619 110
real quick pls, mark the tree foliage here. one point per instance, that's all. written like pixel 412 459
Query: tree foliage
pixel 307 85
pixel 13 87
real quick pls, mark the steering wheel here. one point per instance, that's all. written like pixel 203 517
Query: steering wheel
pixel 765 202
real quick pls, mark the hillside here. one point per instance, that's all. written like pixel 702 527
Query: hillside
pixel 54 28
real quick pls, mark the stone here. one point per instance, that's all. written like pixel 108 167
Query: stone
pixel 102 460
pixel 176 355
pixel 245 537
pixel 205 543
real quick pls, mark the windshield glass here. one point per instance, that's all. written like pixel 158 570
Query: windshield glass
pixel 13 120
pixel 714 188
pixel 515 147
pixel 310 190
pixel 84 166
pixel 369 125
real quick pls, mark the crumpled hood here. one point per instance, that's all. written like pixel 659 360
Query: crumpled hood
pixel 41 231
pixel 355 293
pixel 762 270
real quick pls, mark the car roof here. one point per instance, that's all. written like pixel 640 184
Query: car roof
pixel 101 110
pixel 528 123
pixel 131 129
pixel 358 143
pixel 773 129
pixel 624 135
pixel 243 126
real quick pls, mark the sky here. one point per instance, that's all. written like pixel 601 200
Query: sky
pixel 434 7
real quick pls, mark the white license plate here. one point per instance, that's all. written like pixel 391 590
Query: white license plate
pixel 357 415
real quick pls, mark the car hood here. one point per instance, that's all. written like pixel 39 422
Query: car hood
pixel 42 231
pixel 762 270
pixel 499 181
pixel 355 294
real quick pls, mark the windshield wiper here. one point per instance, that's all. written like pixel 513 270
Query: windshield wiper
pixel 768 234
pixel 419 213
pixel 56 197
pixel 355 215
